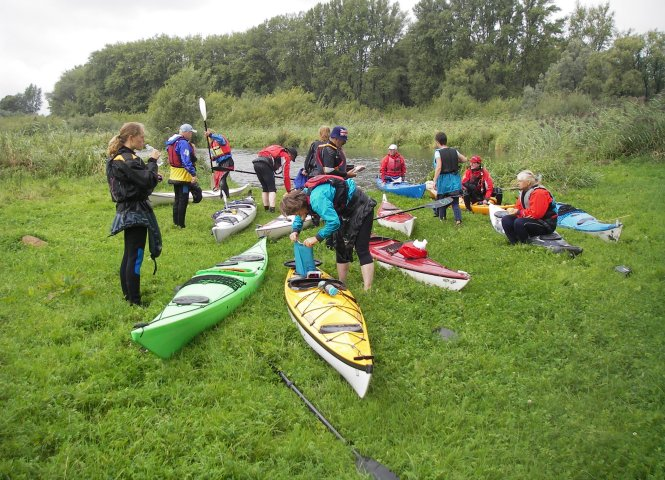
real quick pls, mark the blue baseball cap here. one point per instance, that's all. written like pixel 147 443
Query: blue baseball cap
pixel 339 132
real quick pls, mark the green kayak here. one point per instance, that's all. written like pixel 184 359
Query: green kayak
pixel 208 297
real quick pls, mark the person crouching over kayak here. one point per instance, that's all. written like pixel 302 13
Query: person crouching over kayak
pixel 348 214
pixel 272 160
pixel 535 213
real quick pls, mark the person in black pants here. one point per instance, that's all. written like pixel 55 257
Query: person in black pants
pixel 182 158
pixel 130 182
pixel 272 160
pixel 535 212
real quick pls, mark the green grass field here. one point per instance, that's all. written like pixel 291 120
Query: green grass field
pixel 557 371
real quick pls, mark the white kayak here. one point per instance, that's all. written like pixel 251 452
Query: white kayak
pixel 400 221
pixel 164 198
pixel 280 227
pixel 235 217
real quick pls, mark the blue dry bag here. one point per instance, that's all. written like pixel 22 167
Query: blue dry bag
pixel 304 257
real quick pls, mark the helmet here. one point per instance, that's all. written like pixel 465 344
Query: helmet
pixel 476 159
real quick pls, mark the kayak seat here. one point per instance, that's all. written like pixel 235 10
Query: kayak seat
pixel 302 283
pixel 232 282
pixel 353 327
pixel 190 299
pixel 392 248
pixel 240 258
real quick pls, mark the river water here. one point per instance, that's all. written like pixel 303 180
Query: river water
pixel 418 163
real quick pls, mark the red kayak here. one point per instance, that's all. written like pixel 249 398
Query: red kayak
pixel 401 221
pixel 385 252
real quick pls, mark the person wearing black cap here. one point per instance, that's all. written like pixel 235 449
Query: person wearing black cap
pixel 271 160
pixel 331 159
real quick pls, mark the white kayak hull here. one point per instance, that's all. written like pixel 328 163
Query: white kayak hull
pixel 166 198
pixel 358 379
pixel 454 284
pixel 235 218
pixel 280 227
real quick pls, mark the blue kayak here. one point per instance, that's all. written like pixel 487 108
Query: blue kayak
pixel 406 189
pixel 576 219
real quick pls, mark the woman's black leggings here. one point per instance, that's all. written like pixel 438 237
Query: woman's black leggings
pixel 362 244
pixel 266 175
pixel 130 268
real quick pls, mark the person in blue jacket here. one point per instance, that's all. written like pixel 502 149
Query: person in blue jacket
pixel 348 214
pixel 222 160
pixel 182 158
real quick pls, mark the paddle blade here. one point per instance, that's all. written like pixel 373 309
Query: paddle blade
pixel 202 107
pixel 442 202
pixel 374 468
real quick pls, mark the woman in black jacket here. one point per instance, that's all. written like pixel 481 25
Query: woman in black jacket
pixel 131 181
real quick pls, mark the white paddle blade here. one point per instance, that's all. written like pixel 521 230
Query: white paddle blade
pixel 202 107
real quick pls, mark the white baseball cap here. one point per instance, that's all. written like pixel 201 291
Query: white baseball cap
pixel 392 147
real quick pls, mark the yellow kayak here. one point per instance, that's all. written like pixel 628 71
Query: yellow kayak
pixel 330 321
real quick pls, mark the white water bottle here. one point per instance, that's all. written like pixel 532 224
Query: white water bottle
pixel 150 148
pixel 328 288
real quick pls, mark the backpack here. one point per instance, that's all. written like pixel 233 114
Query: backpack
pixel 338 183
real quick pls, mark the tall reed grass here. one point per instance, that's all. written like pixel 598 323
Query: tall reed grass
pixel 560 145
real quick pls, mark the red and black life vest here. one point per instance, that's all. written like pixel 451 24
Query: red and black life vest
pixel 551 213
pixel 338 183
pixel 339 162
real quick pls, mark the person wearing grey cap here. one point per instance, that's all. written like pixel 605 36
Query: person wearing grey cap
pixel 182 158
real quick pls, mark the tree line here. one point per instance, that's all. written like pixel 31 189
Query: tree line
pixel 368 51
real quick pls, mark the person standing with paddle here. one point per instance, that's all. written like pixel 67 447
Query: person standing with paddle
pixel 348 213
pixel 221 161
pixel 131 181
pixel 271 160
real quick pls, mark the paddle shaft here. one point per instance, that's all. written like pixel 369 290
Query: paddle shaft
pixel 204 113
pixel 243 171
pixel 369 465
pixel 439 203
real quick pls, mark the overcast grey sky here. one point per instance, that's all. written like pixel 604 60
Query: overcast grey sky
pixel 41 39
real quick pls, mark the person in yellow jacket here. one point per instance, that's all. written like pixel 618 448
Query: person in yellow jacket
pixel 182 158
